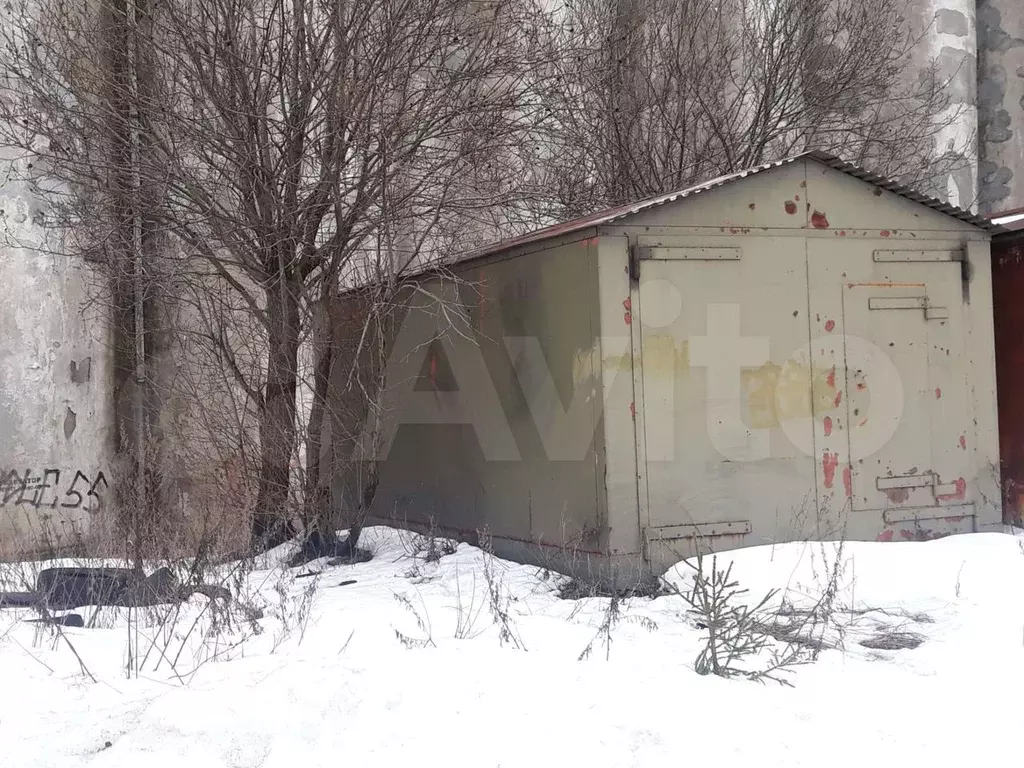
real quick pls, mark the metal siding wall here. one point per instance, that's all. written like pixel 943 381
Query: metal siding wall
pixel 1007 289
pixel 840 222
pixel 525 368
pixel 619 411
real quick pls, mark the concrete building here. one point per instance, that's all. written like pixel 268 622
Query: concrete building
pixel 1000 100
pixel 56 385
pixel 688 369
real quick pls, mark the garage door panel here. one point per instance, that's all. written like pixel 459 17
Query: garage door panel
pixel 912 312
pixel 727 418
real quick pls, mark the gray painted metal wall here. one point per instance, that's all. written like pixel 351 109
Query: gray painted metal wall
pixel 858 412
pixel 500 416
pixel 585 414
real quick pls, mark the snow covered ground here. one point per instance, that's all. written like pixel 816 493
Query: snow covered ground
pixel 344 674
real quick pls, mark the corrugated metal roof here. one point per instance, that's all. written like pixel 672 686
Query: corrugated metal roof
pixel 1012 220
pixel 611 215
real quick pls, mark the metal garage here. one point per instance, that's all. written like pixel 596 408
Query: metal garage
pixel 801 350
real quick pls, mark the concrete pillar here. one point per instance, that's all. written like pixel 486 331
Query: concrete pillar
pixel 1001 104
pixel 950 40
pixel 56 475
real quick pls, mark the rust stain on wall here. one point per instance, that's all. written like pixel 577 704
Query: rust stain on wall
pixel 958 495
pixel 897 495
pixel 829 464
pixel 885 285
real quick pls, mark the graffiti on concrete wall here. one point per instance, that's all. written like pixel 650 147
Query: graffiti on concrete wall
pixel 45 489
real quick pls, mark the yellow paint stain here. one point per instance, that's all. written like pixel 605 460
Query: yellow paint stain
pixel 773 393
pixel 759 386
pixel 661 357
pixel 618 362
pixel 582 367
pixel 683 355
pixel 796 390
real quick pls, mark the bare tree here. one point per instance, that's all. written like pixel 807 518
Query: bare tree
pixel 274 149
pixel 646 96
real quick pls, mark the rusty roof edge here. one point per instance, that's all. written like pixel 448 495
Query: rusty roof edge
pixel 836 163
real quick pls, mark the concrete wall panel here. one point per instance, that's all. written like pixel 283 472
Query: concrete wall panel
pixel 55 405
pixel 1001 104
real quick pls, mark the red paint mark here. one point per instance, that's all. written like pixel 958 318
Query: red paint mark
pixel 733 230
pixel 885 536
pixel 828 425
pixel 885 233
pixel 842 233
pixel 848 481
pixel 963 442
pixel 829 463
pixel 831 380
pixel 628 303
pixel 863 421
pixel 906 534
pixel 819 220
pixel 938 393
pixel 628 316
pixel 790 207
pixel 433 370
pixel 861 386
pixel 839 398
pixel 796 197
pixel 897 495
pixel 959 495
pixel 830 326
pixel 632 410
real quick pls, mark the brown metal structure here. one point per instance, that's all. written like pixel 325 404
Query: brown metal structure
pixel 1007 288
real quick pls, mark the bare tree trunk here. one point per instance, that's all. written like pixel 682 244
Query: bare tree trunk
pixel 270 525
pixel 623 70
pixel 320 535
pixel 142 510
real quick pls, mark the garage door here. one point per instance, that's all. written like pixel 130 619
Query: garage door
pixel 722 395
pixel 906 391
